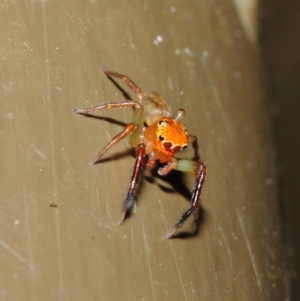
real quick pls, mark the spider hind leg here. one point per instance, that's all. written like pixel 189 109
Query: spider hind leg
pixel 195 199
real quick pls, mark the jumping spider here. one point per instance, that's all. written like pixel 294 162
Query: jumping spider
pixel 156 135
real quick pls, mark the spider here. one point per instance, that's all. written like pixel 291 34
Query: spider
pixel 157 136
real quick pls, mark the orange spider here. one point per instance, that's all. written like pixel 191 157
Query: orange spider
pixel 156 135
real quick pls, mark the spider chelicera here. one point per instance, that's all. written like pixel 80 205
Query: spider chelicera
pixel 157 136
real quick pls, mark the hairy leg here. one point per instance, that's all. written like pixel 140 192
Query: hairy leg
pixel 189 166
pixel 135 178
pixel 126 80
pixel 110 105
pixel 128 129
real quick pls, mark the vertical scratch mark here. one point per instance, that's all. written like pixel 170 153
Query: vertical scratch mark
pixel 175 258
pixel 216 94
pixel 227 247
pixel 48 96
pixel 29 241
pixel 27 226
pixel 215 272
pixel 179 273
pixel 60 269
pixel 252 257
pixel 148 262
pixel 132 246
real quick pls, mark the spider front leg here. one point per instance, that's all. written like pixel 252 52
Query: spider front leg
pixel 199 170
pixel 135 178
pixel 129 128
pixel 109 105
pixel 126 80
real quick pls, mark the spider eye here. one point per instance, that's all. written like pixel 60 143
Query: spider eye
pixel 161 138
pixel 163 123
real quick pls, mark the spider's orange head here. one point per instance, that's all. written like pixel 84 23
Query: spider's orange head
pixel 167 135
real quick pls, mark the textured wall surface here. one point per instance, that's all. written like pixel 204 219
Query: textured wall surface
pixel 197 56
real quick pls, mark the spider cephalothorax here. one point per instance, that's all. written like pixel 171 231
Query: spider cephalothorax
pixel 165 137
pixel 157 135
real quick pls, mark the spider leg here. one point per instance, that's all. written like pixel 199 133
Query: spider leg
pixel 189 166
pixel 194 141
pixel 110 105
pixel 126 80
pixel 138 167
pixel 128 129
pixel 179 114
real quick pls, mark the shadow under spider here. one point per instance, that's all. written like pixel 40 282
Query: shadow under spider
pixel 177 182
pixel 119 87
pixel 116 156
pixel 108 119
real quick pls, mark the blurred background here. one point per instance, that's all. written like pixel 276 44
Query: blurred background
pixel 275 26
pixel 279 39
